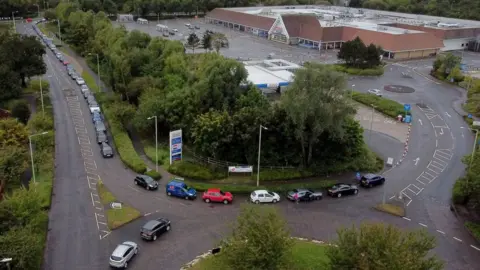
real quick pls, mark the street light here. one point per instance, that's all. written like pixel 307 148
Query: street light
pixel 38 9
pixel 98 69
pixel 7 262
pixel 156 141
pixel 41 94
pixel 259 149
pixel 13 20
pixel 31 152
pixel 351 93
pixel 59 32
pixel 371 124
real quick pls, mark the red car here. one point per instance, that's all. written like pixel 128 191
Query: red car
pixel 216 195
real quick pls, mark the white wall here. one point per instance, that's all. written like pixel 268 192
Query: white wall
pixel 455 44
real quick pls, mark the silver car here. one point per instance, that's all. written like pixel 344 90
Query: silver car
pixel 122 254
pixel 375 92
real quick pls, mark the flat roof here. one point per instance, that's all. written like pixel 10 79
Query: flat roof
pixel 371 26
pixel 270 73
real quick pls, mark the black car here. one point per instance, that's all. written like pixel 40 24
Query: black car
pixel 146 181
pixel 106 150
pixel 304 195
pixel 370 180
pixel 340 190
pixel 101 137
pixel 152 229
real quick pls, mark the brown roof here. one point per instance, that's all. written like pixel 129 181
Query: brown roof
pixel 241 18
pixel 303 26
pixel 332 34
pixel 392 42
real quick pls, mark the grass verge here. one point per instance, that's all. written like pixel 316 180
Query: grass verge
pixel 384 105
pixel 116 217
pixel 305 256
pixel 149 150
pixel 474 228
pixel 391 209
pixel 90 81
pixel 378 71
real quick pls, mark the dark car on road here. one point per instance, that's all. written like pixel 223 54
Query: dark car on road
pixel 154 228
pixel 304 195
pixel 106 150
pixel 146 182
pixel 101 137
pixel 340 190
pixel 371 180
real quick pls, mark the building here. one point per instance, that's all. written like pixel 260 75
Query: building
pixel 401 36
pixel 271 75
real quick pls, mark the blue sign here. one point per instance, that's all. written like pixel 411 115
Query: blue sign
pixel 407 107
pixel 470 116
pixel 358 176
pixel 176 145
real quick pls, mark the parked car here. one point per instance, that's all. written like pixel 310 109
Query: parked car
pixel 264 196
pixel 216 195
pixel 74 76
pixel 178 188
pixel 146 182
pixel 375 92
pixel 91 99
pixel 86 94
pixel 83 87
pixel 197 27
pixel 304 195
pixel 154 228
pixel 165 34
pixel 70 71
pixel 80 81
pixel 175 30
pixel 106 150
pixel 58 55
pixel 96 116
pixel 370 180
pixel 94 107
pixel 122 254
pixel 101 137
pixel 340 190
pixel 100 126
pixel 65 62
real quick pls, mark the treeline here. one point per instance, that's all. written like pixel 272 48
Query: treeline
pixel 208 97
pixel 462 9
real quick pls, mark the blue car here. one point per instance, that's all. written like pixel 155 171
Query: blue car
pixel 96 116
pixel 178 188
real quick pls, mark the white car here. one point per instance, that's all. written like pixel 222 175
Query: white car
pixel 188 25
pixel 375 92
pixel 122 254
pixel 175 30
pixel 80 81
pixel 84 88
pixel 264 196
pixel 93 106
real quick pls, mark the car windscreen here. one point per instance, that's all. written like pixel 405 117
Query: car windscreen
pixel 115 258
pixel 222 193
pixel 148 179
pixel 93 104
pixel 107 150
pixel 271 193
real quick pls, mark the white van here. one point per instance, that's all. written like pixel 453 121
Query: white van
pixel 142 21
pixel 161 28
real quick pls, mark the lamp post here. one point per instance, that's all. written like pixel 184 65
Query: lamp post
pixel 98 70
pixel 156 141
pixel 31 153
pixel 259 149
pixel 13 20
pixel 59 32
pixel 6 261
pixel 371 124
pixel 38 9
pixel 351 93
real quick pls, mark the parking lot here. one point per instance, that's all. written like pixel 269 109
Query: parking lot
pixel 242 45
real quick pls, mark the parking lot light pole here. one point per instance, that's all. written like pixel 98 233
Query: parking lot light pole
pixel 31 153
pixel 156 141
pixel 13 20
pixel 259 149
pixel 98 70
pixel 351 93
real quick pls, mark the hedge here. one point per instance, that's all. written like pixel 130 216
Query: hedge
pixel 378 71
pixel 279 174
pixel 384 105
pixel 459 196
pixel 154 174
pixel 247 189
pixel 194 171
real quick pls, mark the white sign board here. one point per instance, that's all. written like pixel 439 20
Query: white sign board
pixel 390 161
pixel 476 123
pixel 240 169
pixel 175 145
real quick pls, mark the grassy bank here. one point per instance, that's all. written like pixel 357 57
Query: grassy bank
pixel 384 105
pixel 378 71
pixel 474 228
pixel 305 255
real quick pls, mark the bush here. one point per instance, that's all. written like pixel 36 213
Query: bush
pixel 127 152
pixel 154 174
pixel 21 110
pixel 279 174
pixel 378 71
pixel 384 105
pixel 34 87
pixel 39 122
pixel 194 171
pixel 459 194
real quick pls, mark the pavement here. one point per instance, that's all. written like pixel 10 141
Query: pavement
pixel 438 140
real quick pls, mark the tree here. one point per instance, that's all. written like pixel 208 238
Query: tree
pixel 207 41
pixel 353 52
pixel 260 240
pixel 382 247
pixel 219 40
pixel 193 41
pixel 9 83
pixel 21 111
pixel 316 104
pixel 12 133
pixel 372 56
pixel 212 133
pixel 450 61
pixel 13 162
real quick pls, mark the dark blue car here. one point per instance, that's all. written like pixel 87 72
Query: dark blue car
pixel 96 116
pixel 178 188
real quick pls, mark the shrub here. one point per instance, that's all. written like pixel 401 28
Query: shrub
pixel 154 174
pixel 21 110
pixel 34 87
pixel 384 105
pixel 279 174
pixel 39 122
pixel 127 153
pixel 378 71
pixel 459 194
pixel 194 171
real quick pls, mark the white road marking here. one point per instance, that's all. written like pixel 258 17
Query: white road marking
pixel 392 197
pixel 419 120
pixel 459 240
pixel 436 143
pixel 103 223
pixel 446 113
pixel 407 218
pixel 440 232
pixel 98 227
pixel 416 161
pixel 147 214
pixel 93 201
pixel 421 224
pixel 475 247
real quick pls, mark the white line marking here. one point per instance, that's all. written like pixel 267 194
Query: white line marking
pixel 97 201
pixel 147 214
pixel 93 201
pixel 459 240
pixel 392 197
pixel 407 218
pixel 446 113
pixel 436 143
pixel 421 224
pixel 100 215
pixel 94 194
pixel 475 247
pixel 462 127
pixel 99 208
pixel 98 227
pixel 103 223
pixel 440 232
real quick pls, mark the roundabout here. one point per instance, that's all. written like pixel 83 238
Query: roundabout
pixel 401 89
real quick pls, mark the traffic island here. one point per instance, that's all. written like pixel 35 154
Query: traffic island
pixel 118 214
pixel 392 209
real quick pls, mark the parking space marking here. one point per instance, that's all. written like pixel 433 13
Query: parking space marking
pixel 478 249
pixel 459 240
pixel 423 225
pixel 83 140
pixel 441 232
pixel 443 153
pixel 81 130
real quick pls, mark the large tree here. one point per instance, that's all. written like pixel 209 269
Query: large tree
pixel 316 104
pixel 193 41
pixel 383 247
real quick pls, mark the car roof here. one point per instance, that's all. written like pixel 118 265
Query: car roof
pixel 105 145
pixel 151 224
pixel 370 175
pixel 176 183
pixel 120 249
pixel 213 190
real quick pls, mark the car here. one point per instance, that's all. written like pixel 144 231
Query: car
pixel 188 25
pixel 175 30
pixel 197 27
pixel 146 182
pixel 52 46
pixel 371 180
pixel 171 33
pixel 165 34
pixel 216 195
pixel 91 99
pixel 101 137
pixel 100 126
pixel 154 228
pixel 177 187
pixel 80 80
pixel 86 94
pixel 304 195
pixel 71 71
pixel 106 150
pixel 74 76
pixel 58 55
pixel 264 196
pixel 83 87
pixel 375 92
pixel 338 190
pixel 69 66
pixel 97 116
pixel 122 254
pixel 61 59
pixel 65 62
pixel 94 107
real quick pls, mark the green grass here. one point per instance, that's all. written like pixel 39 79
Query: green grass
pixel 474 228
pixel 384 105
pixel 391 209
pixel 5 26
pixel 116 217
pixel 90 81
pixel 149 149
pixel 305 256
pixel 378 71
